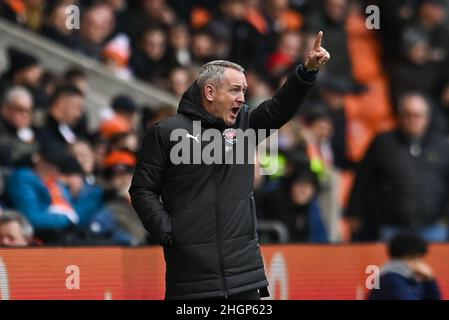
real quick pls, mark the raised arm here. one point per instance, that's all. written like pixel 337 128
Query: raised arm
pixel 275 112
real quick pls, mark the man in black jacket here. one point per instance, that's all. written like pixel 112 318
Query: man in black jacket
pixel 204 214
pixel 402 184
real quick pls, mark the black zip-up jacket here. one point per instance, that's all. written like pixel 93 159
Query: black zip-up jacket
pixel 204 215
pixel 401 183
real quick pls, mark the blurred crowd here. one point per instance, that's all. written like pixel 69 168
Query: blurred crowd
pixel 71 184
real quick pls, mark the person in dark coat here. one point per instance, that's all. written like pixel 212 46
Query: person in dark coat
pixel 64 114
pixel 294 204
pixel 406 276
pixel 204 214
pixel 402 183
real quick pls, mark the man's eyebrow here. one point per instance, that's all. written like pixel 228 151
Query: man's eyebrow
pixel 236 85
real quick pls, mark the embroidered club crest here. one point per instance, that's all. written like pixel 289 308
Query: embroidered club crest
pixel 230 135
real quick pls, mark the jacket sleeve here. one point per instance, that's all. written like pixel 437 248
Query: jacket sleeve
pixel 277 111
pixel 147 184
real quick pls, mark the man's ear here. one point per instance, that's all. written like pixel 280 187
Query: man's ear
pixel 209 92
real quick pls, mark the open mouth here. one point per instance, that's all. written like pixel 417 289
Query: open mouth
pixel 235 111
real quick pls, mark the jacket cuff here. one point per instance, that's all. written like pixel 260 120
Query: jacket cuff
pixel 306 75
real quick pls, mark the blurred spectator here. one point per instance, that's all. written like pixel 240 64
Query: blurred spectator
pixel 406 276
pixel 120 119
pixel 128 141
pixel 332 22
pixel 159 12
pixel 28 13
pixel 179 39
pixel 180 79
pixel 64 113
pixel 415 72
pixel 331 95
pixel 84 153
pixel 294 204
pixel 48 83
pixel 17 136
pixel 281 18
pixel 431 19
pixel 113 127
pixel 120 10
pixel 317 132
pixel 124 225
pixel 236 38
pixel 402 183
pixel 55 27
pixel 425 51
pixel 150 61
pixel 23 70
pixel 86 199
pixel 77 78
pixel 97 24
pixel 396 14
pixel 286 56
pixel 15 230
pixel 125 107
pixel 37 193
pixel 116 55
pixel 203 47
pixel 277 19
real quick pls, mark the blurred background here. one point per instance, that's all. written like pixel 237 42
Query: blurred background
pixel 366 157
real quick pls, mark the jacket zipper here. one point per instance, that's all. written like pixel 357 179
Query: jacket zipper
pixel 217 227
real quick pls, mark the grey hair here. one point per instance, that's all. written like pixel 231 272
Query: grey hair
pixel 17 91
pixel 213 71
pixel 7 216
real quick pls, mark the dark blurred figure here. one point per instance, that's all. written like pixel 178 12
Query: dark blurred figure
pixel 402 183
pixel 333 23
pixel 124 223
pixel 241 40
pixel 54 26
pixel 149 61
pixel 294 204
pixel 395 15
pixel 285 57
pixel 76 77
pixel 24 70
pixel 406 276
pixel 204 47
pixel 179 40
pixel 423 52
pixel 331 95
pixel 64 113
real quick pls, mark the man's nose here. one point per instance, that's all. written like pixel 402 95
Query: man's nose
pixel 241 97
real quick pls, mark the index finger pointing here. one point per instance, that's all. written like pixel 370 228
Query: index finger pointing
pixel 317 44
